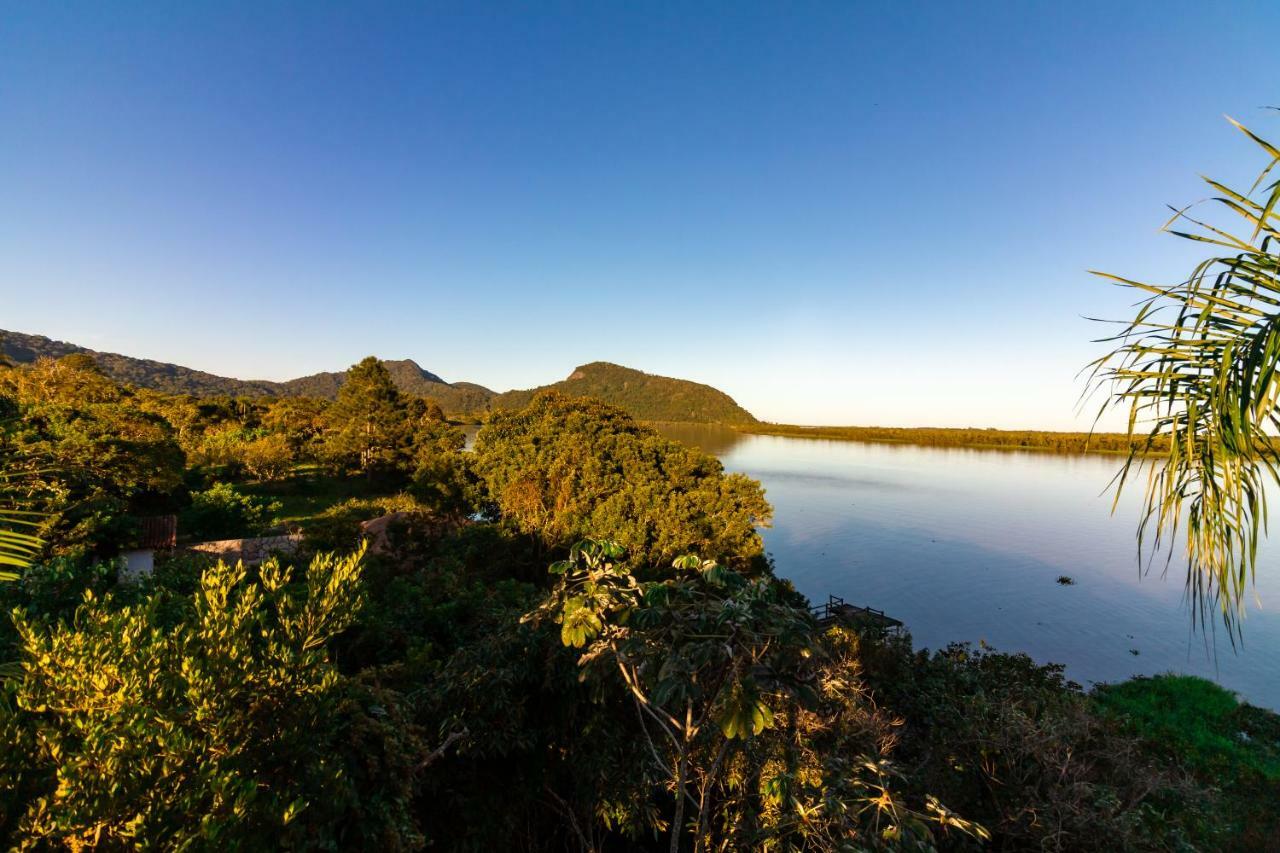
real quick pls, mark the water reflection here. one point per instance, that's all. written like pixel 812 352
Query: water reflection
pixel 968 545
pixel 715 439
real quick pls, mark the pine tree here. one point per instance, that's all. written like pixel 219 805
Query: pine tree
pixel 368 425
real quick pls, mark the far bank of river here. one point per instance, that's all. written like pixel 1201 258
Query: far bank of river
pixel 1108 443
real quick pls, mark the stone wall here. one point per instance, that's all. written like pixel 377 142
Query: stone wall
pixel 250 551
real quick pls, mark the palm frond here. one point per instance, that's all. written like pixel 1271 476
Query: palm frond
pixel 1200 366
pixel 17 548
pixel 19 544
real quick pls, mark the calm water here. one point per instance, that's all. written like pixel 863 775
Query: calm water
pixel 968 545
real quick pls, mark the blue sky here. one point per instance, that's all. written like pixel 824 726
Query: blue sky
pixel 836 212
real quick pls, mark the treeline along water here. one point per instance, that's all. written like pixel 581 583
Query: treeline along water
pixel 969 545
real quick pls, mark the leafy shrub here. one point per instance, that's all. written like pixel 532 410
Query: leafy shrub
pixel 445 483
pixel 1228 744
pixel 221 512
pixel 721 669
pixel 1017 747
pixel 1199 720
pixel 53 589
pixel 227 729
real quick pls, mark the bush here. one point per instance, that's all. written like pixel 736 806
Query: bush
pixel 53 588
pixel 1229 745
pixel 228 729
pixel 1199 720
pixel 223 513
pixel 1018 748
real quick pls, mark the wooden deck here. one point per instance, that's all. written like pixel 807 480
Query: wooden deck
pixel 839 612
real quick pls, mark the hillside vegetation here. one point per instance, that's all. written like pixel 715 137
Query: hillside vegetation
pixel 644 396
pixel 460 398
pixel 569 638
pixel 139 372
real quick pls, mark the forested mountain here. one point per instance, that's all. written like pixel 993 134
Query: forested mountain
pixel 455 398
pixel 142 372
pixel 463 397
pixel 644 396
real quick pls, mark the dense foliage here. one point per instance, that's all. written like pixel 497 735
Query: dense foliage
pixel 221 512
pixel 727 674
pixel 565 469
pixel 1014 745
pixel 217 727
pixel 1206 729
pixel 85 453
pixel 658 689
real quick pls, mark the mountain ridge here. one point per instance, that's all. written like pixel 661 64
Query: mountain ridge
pixel 645 396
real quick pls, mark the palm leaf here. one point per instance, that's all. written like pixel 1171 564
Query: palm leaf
pixel 19 546
pixel 1199 366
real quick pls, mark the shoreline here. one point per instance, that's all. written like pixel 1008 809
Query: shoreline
pixel 1037 441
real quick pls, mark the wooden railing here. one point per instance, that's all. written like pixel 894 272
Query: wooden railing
pixel 836 609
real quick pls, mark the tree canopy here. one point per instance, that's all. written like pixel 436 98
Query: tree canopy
pixel 89 453
pixel 564 469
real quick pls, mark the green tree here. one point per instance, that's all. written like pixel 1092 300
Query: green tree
pixel 433 411
pixel 565 469
pixel 1195 372
pixel 301 420
pixel 87 455
pixel 368 426
pixel 268 457
pixel 712 660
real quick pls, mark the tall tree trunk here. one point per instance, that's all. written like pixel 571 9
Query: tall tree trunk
pixel 701 841
pixel 682 776
pixel 677 821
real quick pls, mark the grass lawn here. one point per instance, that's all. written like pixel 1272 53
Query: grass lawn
pixel 310 491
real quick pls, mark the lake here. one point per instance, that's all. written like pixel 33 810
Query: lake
pixel 969 545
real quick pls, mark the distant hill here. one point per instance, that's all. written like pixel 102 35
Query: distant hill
pixel 135 371
pixel 454 398
pixel 409 377
pixel 644 396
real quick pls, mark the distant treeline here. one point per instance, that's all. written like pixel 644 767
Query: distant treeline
pixel 1057 442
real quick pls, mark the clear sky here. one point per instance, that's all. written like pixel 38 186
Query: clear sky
pixel 870 213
